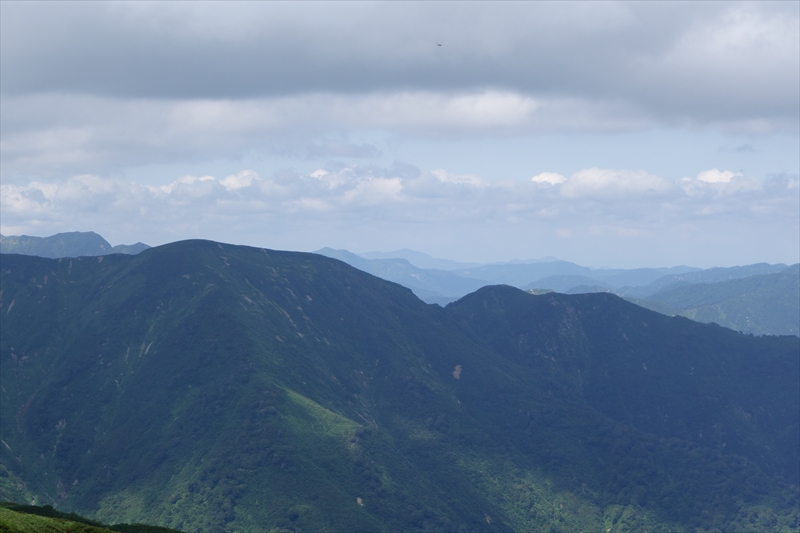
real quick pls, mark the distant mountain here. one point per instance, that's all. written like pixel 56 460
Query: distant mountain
pixel 530 275
pixel 563 284
pixel 711 275
pixel 588 289
pixel 420 259
pixel 524 274
pixel 210 387
pixel 430 285
pixel 72 244
pixel 617 278
pixel 761 304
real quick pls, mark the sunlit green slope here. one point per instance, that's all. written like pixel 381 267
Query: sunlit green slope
pixel 210 387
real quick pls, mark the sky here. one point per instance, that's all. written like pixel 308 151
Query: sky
pixel 612 134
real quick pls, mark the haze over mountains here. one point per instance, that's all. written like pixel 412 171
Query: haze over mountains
pixel 766 301
pixel 211 387
pixel 756 305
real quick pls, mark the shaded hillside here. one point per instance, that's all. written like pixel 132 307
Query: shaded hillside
pixel 72 244
pixel 762 305
pixel 210 387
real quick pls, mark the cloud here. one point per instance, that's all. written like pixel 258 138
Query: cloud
pixel 716 176
pixel 403 206
pixel 703 63
pixel 609 184
pixel 549 177
pixel 332 148
pixel 239 180
pixel 458 179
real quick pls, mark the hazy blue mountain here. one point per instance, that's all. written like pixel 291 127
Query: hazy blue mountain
pixel 638 276
pixel 563 284
pixel 587 289
pixel 430 285
pixel 528 275
pixel 710 275
pixel 524 274
pixel 210 387
pixel 762 304
pixel 420 259
pixel 71 244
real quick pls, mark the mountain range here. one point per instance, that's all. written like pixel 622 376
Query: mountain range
pixel 209 387
pixel 760 299
pixel 71 244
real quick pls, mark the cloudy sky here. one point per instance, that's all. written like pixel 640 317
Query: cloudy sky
pixel 611 134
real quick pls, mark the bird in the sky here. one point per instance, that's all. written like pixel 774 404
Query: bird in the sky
pixel 438 44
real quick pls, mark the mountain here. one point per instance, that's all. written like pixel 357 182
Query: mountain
pixel 210 387
pixel 430 285
pixel 530 275
pixel 72 244
pixel 562 283
pixel 767 304
pixel 523 274
pixel 420 259
pixel 16 518
pixel 710 275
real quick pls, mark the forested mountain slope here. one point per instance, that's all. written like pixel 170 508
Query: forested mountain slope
pixel 210 387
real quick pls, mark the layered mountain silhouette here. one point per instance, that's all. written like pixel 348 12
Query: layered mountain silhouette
pixel 761 299
pixel 71 244
pixel 210 387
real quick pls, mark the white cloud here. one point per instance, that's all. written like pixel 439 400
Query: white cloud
pixel 614 184
pixel 716 176
pixel 408 208
pixel 458 179
pixel 549 177
pixel 239 180
pixel 375 191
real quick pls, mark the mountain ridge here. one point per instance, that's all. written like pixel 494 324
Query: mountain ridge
pixel 70 244
pixel 213 377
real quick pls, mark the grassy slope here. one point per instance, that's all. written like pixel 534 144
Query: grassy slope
pixel 14 522
pixel 209 387
pixel 15 518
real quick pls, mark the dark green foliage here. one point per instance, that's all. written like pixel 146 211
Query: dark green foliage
pixel 209 387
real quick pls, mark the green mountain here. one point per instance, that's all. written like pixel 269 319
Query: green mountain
pixel 210 387
pixel 16 518
pixel 767 304
pixel 72 244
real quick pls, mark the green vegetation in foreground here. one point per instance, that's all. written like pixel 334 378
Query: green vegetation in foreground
pixel 208 387
pixel 16 518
